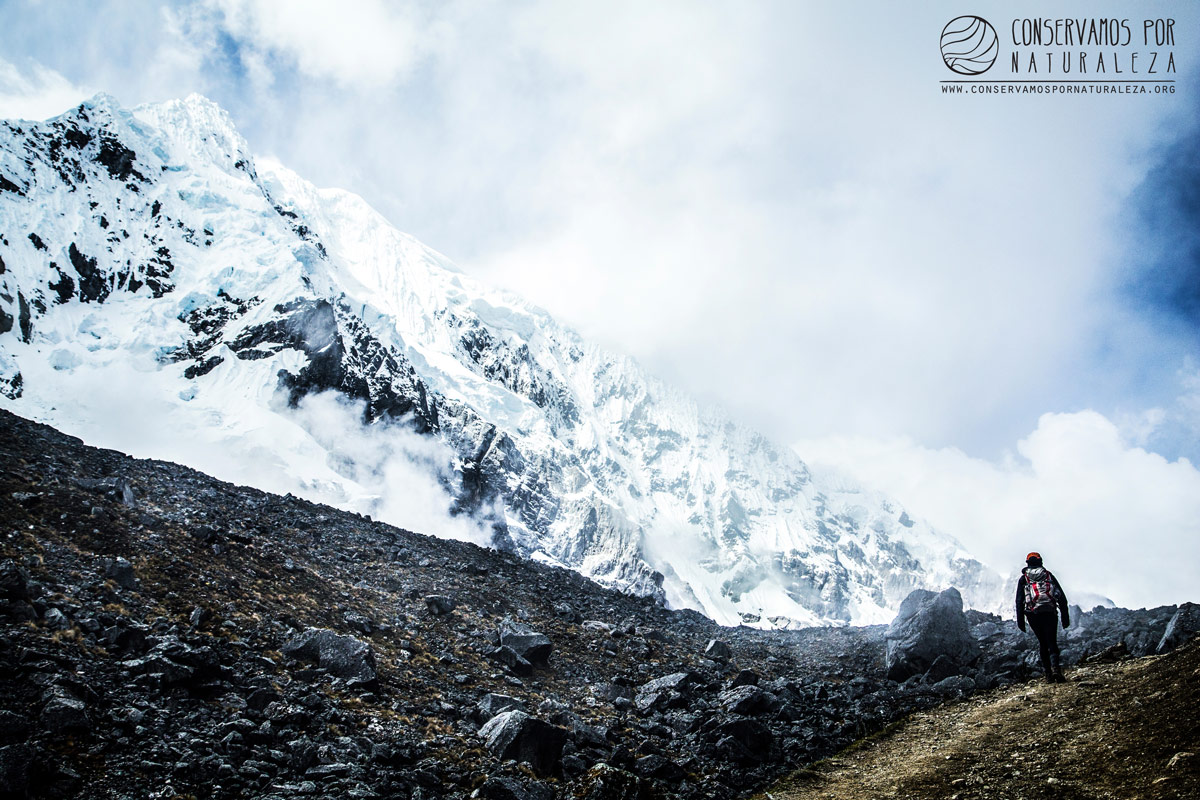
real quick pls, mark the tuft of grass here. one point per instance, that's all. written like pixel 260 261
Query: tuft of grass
pixel 71 634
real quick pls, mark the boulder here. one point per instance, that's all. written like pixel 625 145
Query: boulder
pixel 748 700
pixel 341 655
pixel 579 731
pixel 162 671
pixel 568 612
pixel 126 636
pixel 120 572
pixel 668 691
pixel 56 620
pixel 1143 642
pixel 679 681
pixel 358 622
pixel 942 667
pixel 929 625
pixel 493 704
pixel 530 645
pixel 953 684
pixel 986 630
pixel 1182 627
pixel 64 713
pixel 647 702
pixel 439 605
pixel 199 616
pixel 612 691
pixel 513 660
pixel 718 651
pixel 13 727
pixel 1116 652
pixel 516 735
pixel 746 677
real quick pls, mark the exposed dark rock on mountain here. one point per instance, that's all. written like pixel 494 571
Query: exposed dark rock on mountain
pixel 265 646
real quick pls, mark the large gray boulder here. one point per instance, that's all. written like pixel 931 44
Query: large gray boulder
pixel 929 625
pixel 516 735
pixel 64 713
pixel 1182 627
pixel 529 644
pixel 747 700
pixel 120 571
pixel 339 654
pixel 493 704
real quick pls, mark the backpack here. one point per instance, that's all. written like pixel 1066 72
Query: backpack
pixel 1039 590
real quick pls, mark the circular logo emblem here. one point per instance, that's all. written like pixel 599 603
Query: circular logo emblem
pixel 969 45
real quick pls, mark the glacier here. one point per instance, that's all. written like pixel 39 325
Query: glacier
pixel 165 293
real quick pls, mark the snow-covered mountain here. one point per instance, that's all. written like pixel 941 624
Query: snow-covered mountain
pixel 163 293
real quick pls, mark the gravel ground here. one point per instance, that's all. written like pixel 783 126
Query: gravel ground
pixel 1123 731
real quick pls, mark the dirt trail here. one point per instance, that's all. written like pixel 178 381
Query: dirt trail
pixel 1125 731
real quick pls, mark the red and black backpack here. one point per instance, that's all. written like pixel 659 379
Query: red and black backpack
pixel 1039 590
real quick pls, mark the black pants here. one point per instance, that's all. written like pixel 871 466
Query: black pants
pixel 1045 628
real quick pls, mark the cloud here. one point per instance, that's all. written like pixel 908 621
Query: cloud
pixel 36 93
pixel 320 450
pixel 822 243
pixel 365 43
pixel 396 474
pixel 768 214
pixel 1108 516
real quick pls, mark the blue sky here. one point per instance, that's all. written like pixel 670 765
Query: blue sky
pixel 771 204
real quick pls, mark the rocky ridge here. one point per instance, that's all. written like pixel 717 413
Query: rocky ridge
pixel 166 634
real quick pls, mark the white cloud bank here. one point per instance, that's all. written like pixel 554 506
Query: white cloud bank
pixel 768 214
pixel 36 93
pixel 1107 516
pixel 366 43
pixel 392 473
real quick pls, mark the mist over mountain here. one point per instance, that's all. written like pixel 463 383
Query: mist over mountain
pixel 165 293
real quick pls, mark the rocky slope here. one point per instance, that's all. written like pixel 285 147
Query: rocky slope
pixel 165 634
pixel 164 293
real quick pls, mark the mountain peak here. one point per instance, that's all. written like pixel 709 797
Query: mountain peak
pixel 101 102
pixel 201 128
pixel 289 337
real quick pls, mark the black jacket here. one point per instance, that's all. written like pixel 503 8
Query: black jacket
pixel 1060 598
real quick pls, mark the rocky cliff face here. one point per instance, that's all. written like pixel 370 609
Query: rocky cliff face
pixel 153 276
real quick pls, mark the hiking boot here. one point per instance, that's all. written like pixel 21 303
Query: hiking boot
pixel 1059 677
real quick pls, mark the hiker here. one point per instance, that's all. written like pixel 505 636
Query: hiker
pixel 1038 593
